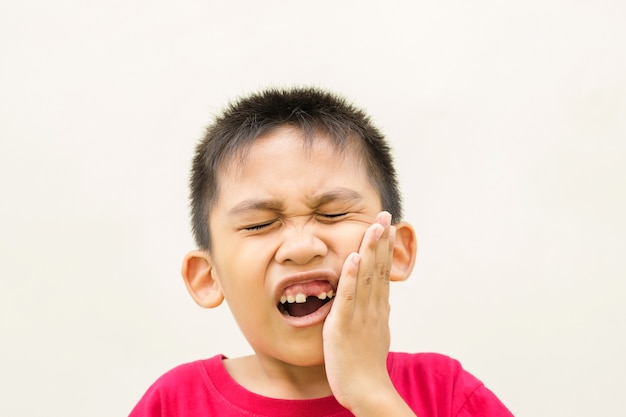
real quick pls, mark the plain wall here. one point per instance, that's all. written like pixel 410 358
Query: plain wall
pixel 508 120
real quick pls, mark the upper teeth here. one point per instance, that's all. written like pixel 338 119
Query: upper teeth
pixel 301 298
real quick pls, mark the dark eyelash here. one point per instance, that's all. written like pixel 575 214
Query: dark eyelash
pixel 262 226
pixel 258 226
pixel 332 216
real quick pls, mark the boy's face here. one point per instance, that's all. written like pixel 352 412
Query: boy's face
pixel 285 221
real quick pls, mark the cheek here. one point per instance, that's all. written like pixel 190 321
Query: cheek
pixel 240 267
pixel 347 237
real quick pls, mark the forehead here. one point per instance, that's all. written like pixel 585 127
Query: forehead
pixel 288 161
pixel 304 146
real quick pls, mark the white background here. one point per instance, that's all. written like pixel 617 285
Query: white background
pixel 508 120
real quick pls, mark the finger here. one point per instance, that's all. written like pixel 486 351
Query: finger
pixel 347 287
pixel 392 244
pixel 365 275
pixel 372 260
pixel 382 263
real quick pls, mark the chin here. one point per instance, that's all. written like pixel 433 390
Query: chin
pixel 303 348
pixel 310 361
pixel 304 358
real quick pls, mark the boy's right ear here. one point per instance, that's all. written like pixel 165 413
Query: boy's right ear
pixel 201 280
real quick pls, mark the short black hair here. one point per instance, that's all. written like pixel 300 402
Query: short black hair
pixel 311 110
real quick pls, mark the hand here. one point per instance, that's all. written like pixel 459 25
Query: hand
pixel 356 332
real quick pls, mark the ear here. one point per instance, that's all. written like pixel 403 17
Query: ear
pixel 201 280
pixel 404 252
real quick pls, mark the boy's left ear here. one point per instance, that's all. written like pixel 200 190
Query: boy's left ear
pixel 404 252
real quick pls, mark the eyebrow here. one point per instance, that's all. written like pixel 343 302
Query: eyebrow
pixel 256 204
pixel 338 194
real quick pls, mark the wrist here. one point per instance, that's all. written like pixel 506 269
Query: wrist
pixel 378 402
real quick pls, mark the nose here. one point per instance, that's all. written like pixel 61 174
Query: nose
pixel 300 245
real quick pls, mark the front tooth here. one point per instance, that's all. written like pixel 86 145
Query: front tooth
pixel 283 299
pixel 291 299
pixel 330 294
pixel 300 298
pixel 322 296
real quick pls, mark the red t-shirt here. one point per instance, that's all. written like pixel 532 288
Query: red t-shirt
pixel 431 384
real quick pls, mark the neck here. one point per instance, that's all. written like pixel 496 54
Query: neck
pixel 272 378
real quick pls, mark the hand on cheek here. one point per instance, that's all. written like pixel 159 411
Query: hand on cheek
pixel 356 332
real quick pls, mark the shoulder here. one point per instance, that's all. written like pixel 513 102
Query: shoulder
pixel 423 365
pixel 440 386
pixel 182 384
pixel 183 375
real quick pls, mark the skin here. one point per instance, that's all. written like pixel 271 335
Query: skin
pixel 288 210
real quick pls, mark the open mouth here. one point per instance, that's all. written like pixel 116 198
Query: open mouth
pixel 303 299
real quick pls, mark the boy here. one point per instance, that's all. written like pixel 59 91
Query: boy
pixel 295 210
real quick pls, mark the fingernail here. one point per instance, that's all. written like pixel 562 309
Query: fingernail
pixel 355 259
pixel 385 219
pixel 379 231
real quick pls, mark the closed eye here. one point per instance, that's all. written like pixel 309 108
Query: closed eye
pixel 258 227
pixel 331 216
